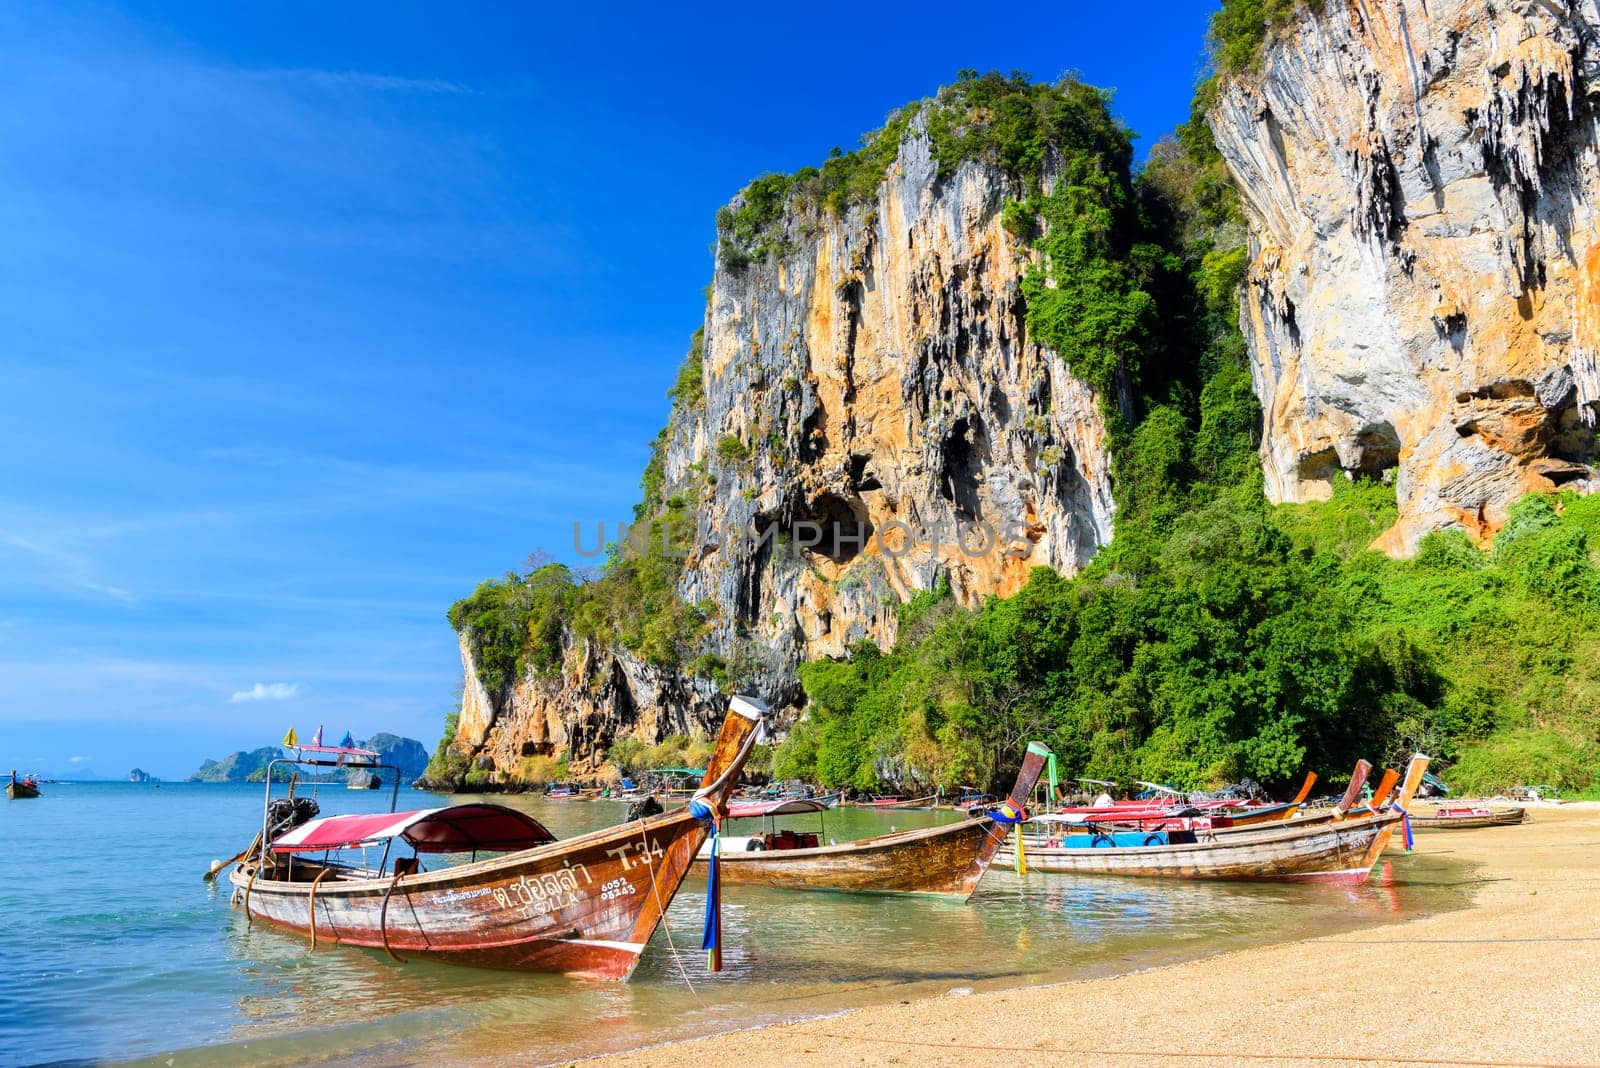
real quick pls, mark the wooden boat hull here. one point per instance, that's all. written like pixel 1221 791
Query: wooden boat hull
pixel 585 907
pixel 1504 817
pixel 948 859
pixel 18 791
pixel 1340 852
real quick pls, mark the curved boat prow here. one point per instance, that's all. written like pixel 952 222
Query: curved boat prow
pixel 1305 789
pixel 1385 791
pixel 1352 793
pixel 1396 812
pixel 1414 772
pixel 738 736
pixel 1033 764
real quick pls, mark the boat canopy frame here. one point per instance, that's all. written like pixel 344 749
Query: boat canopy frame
pixel 365 763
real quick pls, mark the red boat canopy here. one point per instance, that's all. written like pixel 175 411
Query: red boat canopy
pixel 458 829
pixel 794 806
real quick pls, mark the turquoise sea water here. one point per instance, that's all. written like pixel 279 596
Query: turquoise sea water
pixel 116 950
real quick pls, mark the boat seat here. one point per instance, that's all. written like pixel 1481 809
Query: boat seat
pixel 407 865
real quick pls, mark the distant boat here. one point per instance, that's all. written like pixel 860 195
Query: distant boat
pixel 586 906
pixel 898 802
pixel 17 789
pixel 1459 818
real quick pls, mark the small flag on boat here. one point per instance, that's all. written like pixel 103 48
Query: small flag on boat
pixel 316 739
pixel 291 740
pixel 347 742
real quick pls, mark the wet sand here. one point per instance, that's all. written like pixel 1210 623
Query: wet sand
pixel 1513 979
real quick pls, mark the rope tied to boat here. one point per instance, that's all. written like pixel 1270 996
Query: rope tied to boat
pixel 312 903
pixel 249 921
pixel 1014 815
pixel 383 916
pixel 711 940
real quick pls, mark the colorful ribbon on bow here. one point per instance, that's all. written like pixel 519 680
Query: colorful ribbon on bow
pixel 1016 816
pixel 1405 827
pixel 711 942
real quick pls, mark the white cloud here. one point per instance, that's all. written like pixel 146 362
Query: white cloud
pixel 80 759
pixel 364 80
pixel 268 691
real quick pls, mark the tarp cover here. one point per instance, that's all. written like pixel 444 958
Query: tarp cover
pixel 457 829
pixel 794 806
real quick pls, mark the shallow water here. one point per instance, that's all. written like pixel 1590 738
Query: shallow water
pixel 117 950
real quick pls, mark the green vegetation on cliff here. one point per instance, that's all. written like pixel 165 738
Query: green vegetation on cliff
pixel 1241 30
pixel 1006 120
pixel 1217 636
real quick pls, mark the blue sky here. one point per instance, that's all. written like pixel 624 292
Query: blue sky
pixel 314 315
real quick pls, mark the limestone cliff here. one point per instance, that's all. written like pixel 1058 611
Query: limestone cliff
pixel 1421 183
pixel 874 422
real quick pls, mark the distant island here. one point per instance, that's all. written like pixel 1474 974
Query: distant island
pixel 140 775
pixel 407 754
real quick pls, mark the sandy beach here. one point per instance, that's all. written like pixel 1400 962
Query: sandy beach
pixel 1512 980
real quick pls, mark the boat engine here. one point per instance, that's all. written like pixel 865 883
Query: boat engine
pixel 286 813
pixel 648 806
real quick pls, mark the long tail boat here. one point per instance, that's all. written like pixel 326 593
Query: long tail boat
pixel 585 906
pixel 17 789
pixel 1339 848
pixel 948 859
pixel 896 802
pixel 1156 815
pixel 1458 818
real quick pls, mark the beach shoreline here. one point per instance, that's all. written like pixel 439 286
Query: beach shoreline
pixel 1508 980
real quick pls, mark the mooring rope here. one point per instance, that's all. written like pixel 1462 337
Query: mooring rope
pixel 313 904
pixel 249 921
pixel 655 891
pixel 383 917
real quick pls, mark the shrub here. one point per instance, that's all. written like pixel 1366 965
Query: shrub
pixel 1526 757
pixel 1241 29
pixel 689 389
pixel 540 770
pixel 447 768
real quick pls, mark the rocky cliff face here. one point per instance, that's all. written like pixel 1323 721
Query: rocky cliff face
pixel 874 422
pixel 1421 180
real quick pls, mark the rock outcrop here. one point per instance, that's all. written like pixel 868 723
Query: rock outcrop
pixel 874 422
pixel 1421 182
pixel 603 692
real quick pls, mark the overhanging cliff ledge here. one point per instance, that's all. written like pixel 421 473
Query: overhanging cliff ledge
pixel 1420 182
